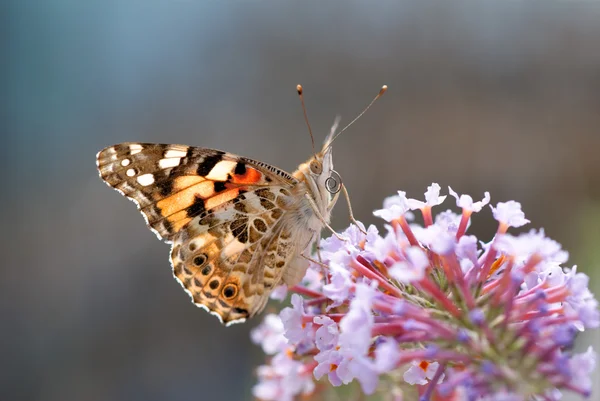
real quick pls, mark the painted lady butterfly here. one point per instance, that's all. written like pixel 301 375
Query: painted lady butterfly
pixel 238 227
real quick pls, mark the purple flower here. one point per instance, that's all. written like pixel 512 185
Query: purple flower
pixel 326 336
pixel 525 245
pixel 383 248
pixel 420 372
pixel 283 379
pixel 269 334
pixel 581 366
pixel 411 269
pixel 394 207
pixel 340 284
pixel 509 214
pixel 458 317
pixel 436 238
pixel 466 248
pixel 448 221
pixel 581 301
pixel 466 202
pixel 356 325
pixel 279 293
pixel 432 198
pixel 296 328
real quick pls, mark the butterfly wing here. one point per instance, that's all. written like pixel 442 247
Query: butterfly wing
pixel 229 259
pixel 224 214
pixel 171 184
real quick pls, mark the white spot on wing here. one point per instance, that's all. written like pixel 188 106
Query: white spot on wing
pixel 135 148
pixel 201 241
pixel 221 169
pixel 233 248
pixel 167 163
pixel 130 172
pixel 175 153
pixel 125 162
pixel 146 179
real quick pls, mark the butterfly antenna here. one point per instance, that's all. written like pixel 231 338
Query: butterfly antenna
pixel 381 92
pixel 312 138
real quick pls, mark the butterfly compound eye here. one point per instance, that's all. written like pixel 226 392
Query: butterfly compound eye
pixel 316 167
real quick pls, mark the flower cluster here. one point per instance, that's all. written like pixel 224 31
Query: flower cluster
pixel 429 312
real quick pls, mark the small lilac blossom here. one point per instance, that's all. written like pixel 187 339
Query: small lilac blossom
pixel 458 317
pixel 524 245
pixel 356 325
pixel 448 221
pixel 510 214
pixel 326 336
pixel 279 293
pixel 432 198
pixel 349 355
pixel 387 356
pixel 411 269
pixel 466 201
pixel 328 363
pixel 581 302
pixel 296 329
pixel 353 235
pixel 466 248
pixel 367 371
pixel 340 284
pixel 283 379
pixel 394 207
pixel 436 237
pixel 581 367
pixel 420 372
pixel 269 334
pixel 384 248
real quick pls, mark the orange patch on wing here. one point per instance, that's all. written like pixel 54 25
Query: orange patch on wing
pixel 178 220
pixel 178 225
pixel 251 176
pixel 221 198
pixel 176 202
pixel 186 181
pixel 185 198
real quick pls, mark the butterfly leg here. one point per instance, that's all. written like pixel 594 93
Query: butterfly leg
pixel 352 219
pixel 318 247
pixel 316 262
pixel 315 209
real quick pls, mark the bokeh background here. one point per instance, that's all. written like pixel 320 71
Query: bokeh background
pixel 498 96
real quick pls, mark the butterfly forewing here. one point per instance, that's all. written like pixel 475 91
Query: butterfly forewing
pixel 171 184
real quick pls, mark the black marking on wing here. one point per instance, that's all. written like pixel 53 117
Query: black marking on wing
pixel 240 168
pixel 219 186
pixel 196 209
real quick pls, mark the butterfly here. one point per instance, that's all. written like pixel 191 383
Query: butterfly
pixel 238 227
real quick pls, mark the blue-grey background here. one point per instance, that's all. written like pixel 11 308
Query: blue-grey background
pixel 498 96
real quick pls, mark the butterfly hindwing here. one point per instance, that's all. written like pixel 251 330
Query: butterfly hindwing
pixel 172 184
pixel 229 259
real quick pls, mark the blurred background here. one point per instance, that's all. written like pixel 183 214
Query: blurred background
pixel 497 96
